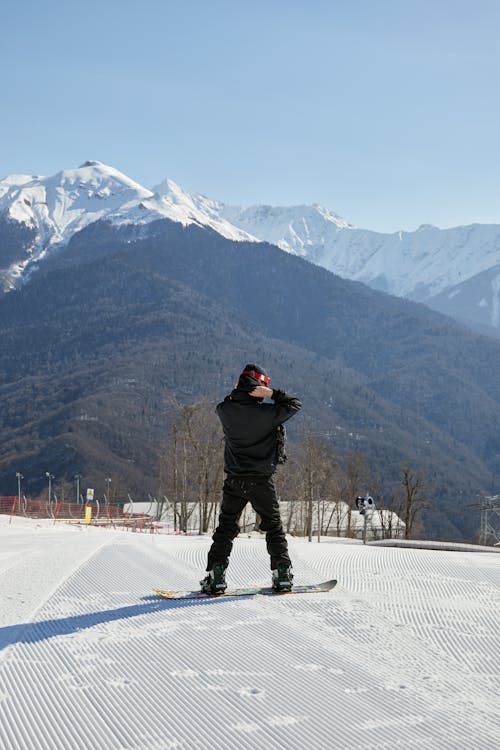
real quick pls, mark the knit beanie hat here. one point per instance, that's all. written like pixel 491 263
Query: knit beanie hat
pixel 252 376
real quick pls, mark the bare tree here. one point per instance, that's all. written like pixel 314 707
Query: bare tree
pixel 388 513
pixel 411 500
pixel 192 464
pixel 307 485
pixel 287 482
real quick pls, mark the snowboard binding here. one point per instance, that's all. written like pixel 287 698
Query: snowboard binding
pixel 282 579
pixel 215 581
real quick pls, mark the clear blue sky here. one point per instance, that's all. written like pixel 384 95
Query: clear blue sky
pixel 386 112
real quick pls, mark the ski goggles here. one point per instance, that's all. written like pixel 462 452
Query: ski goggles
pixel 264 379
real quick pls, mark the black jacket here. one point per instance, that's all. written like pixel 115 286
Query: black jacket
pixel 251 431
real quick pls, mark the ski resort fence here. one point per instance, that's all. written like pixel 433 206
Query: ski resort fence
pixel 96 514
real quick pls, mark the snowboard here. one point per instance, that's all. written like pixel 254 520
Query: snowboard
pixel 317 588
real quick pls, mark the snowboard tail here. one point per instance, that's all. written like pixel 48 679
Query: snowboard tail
pixel 259 590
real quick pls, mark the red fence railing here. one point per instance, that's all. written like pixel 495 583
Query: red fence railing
pixel 91 513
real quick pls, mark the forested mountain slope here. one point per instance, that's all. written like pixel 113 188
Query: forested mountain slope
pixel 93 343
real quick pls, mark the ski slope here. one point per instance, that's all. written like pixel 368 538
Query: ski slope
pixel 402 654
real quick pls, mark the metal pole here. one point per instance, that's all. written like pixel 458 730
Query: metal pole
pixel 19 477
pixel 484 526
pixel 310 507
pixel 487 531
pixel 108 480
pixel 50 477
pixel 319 519
pixel 78 477
pixel 365 524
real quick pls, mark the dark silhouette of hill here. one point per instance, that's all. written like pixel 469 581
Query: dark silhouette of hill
pixel 109 326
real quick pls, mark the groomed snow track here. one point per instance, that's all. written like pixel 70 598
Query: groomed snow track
pixel 402 654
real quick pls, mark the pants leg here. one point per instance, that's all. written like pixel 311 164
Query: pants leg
pixel 261 493
pixel 265 502
pixel 234 499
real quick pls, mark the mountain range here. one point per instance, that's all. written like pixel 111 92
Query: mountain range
pixel 116 298
pixel 455 271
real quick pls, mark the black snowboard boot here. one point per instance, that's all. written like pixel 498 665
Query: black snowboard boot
pixel 215 581
pixel 282 579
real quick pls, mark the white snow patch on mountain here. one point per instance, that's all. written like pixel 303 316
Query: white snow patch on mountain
pixel 495 284
pixel 297 229
pixel 205 211
pixel 14 180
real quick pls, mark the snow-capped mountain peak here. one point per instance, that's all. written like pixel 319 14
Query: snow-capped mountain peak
pixel 52 209
pixel 171 190
pixel 60 205
pixel 299 230
pixel 205 210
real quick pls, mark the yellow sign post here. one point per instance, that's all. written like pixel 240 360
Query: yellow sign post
pixel 88 508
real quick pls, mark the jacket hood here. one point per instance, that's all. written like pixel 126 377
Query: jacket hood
pixel 241 395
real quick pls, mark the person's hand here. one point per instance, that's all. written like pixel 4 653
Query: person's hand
pixel 261 392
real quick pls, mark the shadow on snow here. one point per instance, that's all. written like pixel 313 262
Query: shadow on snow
pixel 33 632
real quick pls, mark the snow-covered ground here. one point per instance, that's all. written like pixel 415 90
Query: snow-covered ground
pixel 402 654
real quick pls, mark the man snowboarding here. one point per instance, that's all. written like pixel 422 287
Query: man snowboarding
pixel 254 445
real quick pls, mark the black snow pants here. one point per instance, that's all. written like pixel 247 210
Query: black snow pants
pixel 261 493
